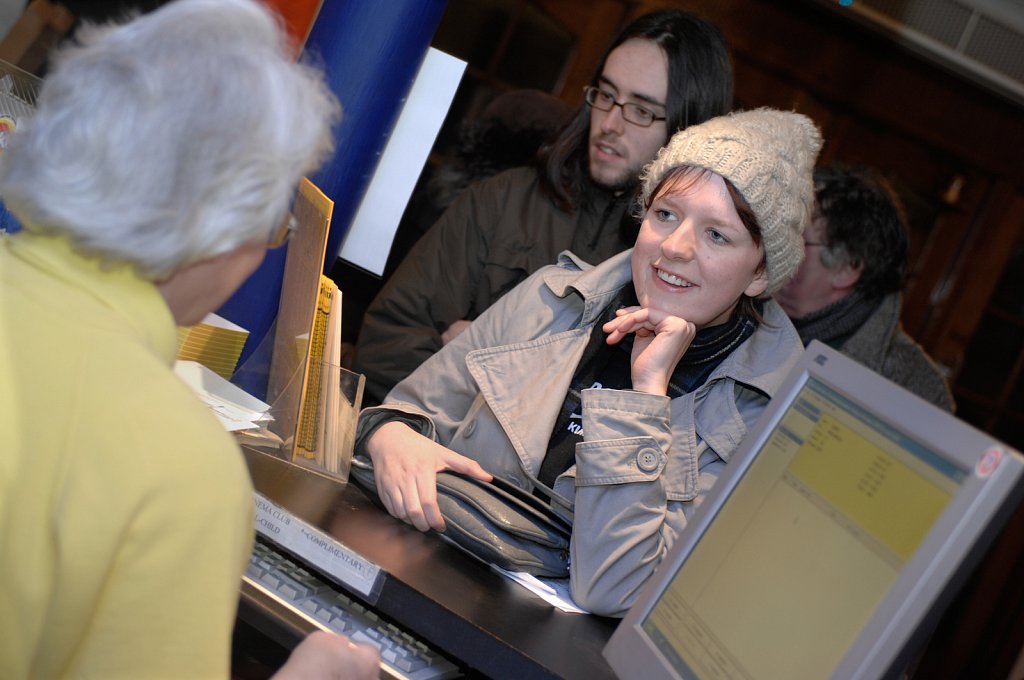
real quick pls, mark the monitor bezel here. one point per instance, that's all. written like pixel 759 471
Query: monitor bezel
pixel 954 545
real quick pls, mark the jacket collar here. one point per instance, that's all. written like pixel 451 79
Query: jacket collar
pixel 135 301
pixel 510 400
pixel 760 363
pixel 751 362
pixel 528 405
pixel 597 285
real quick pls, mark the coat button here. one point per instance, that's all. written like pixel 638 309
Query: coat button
pixel 470 429
pixel 647 459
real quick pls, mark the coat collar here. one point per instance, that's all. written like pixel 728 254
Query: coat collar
pixel 596 285
pixel 133 300
pixel 524 385
pixel 751 363
pixel 524 380
pixel 747 364
pixel 521 380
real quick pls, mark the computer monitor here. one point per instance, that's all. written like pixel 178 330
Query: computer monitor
pixel 829 547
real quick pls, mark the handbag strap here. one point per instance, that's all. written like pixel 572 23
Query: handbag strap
pixel 555 506
pixel 513 494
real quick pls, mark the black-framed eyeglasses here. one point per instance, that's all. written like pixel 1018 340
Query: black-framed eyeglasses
pixel 602 100
pixel 284 232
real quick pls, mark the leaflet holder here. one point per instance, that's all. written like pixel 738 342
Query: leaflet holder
pixel 314 400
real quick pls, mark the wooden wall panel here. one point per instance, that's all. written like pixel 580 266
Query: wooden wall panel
pixel 597 22
pixel 936 272
pixel 995 231
pixel 871 77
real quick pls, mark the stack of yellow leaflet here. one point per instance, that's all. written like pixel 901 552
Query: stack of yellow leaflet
pixel 309 436
pixel 314 399
pixel 214 342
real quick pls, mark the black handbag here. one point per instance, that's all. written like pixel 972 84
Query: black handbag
pixel 496 522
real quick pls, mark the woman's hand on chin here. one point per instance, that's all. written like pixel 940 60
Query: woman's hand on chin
pixel 659 342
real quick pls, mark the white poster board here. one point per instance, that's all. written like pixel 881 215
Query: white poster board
pixel 369 239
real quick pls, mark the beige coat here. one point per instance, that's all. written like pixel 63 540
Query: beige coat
pixel 646 460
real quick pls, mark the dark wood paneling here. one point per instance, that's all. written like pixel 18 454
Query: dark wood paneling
pixel 597 22
pixel 995 230
pixel 872 77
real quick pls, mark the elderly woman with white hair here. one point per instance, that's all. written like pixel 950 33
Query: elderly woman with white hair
pixel 156 172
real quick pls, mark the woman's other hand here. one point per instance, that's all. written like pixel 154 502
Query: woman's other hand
pixel 405 465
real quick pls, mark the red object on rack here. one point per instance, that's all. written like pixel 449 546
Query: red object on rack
pixel 298 17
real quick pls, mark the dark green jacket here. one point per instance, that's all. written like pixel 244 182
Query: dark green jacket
pixel 498 232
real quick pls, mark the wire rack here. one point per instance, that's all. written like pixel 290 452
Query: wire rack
pixel 18 90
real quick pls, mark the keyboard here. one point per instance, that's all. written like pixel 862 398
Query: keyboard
pixel 403 657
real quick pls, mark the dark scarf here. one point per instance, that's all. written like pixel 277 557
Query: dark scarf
pixel 609 366
pixel 835 323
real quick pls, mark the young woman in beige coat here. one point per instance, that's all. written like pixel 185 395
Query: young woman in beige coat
pixel 627 386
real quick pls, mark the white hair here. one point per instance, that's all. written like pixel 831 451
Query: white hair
pixel 172 138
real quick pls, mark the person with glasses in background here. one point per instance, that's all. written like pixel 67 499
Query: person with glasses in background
pixel 604 100
pixel 664 71
pixel 158 168
pixel 847 291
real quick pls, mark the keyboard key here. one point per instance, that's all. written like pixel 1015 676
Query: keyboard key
pixel 411 663
pixel 317 599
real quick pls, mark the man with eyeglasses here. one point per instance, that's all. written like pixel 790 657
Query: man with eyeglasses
pixel 846 292
pixel 665 71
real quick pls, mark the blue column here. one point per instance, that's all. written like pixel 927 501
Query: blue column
pixel 370 51
pixel 388 41
pixel 8 222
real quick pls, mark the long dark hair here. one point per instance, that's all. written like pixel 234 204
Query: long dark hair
pixel 699 88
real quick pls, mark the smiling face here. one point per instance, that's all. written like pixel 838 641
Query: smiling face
pixel 636 71
pixel 694 257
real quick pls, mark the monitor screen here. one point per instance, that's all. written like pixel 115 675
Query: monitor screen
pixel 834 533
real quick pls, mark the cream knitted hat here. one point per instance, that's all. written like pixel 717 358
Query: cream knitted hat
pixel 769 156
